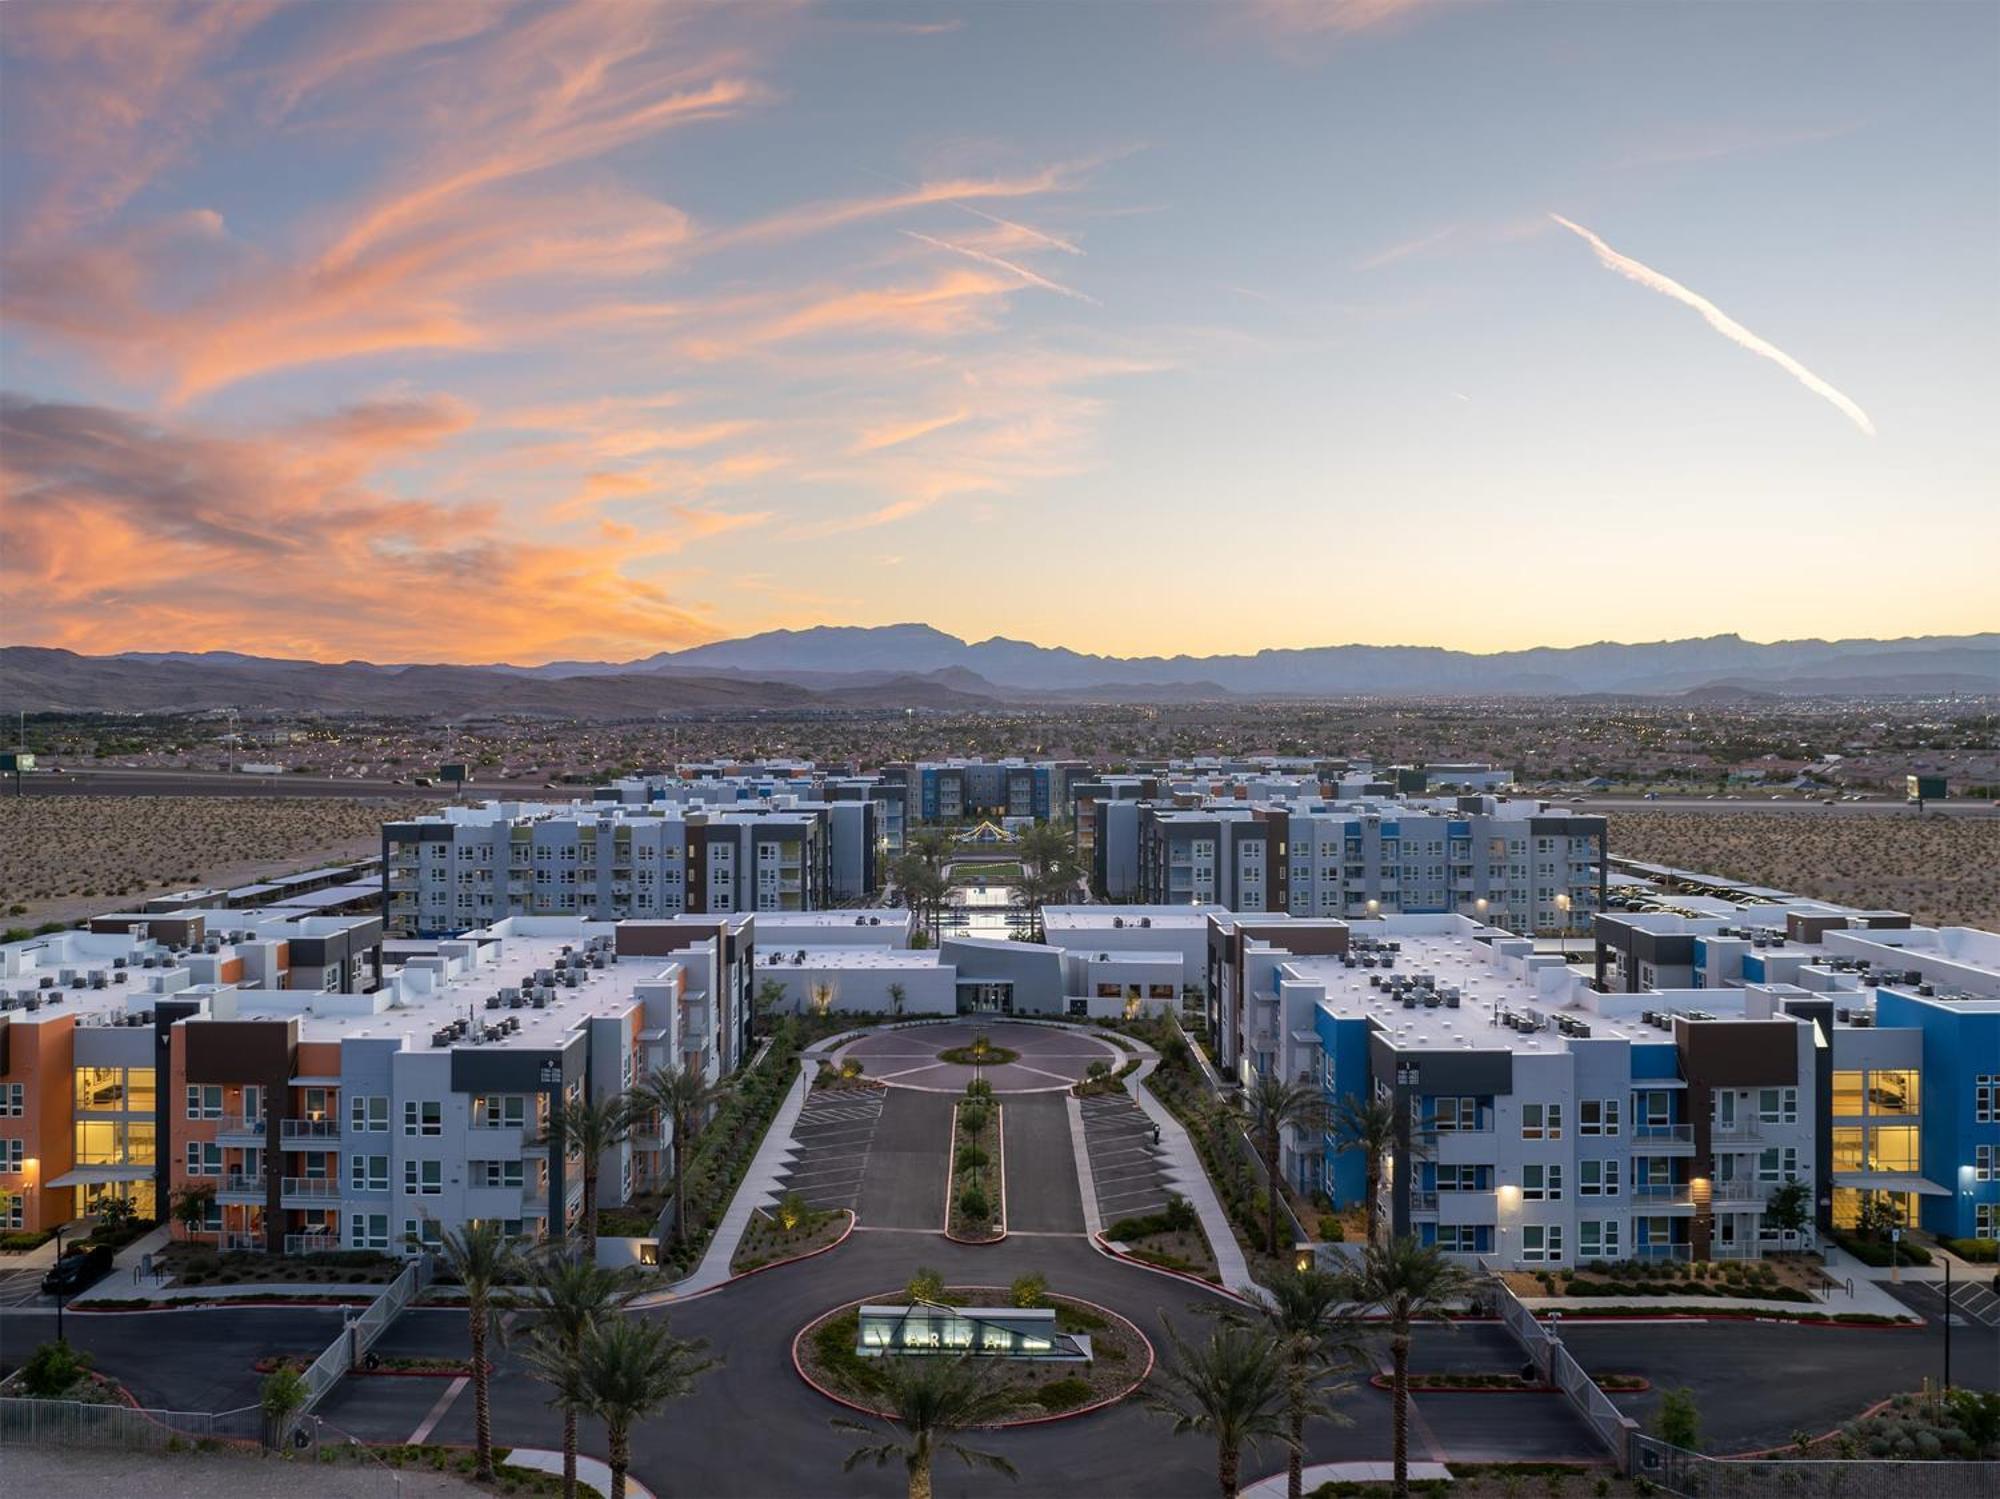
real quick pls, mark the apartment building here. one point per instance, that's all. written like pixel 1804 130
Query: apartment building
pixel 970 790
pixel 467 867
pixel 308 1119
pixel 1517 864
pixel 1541 1123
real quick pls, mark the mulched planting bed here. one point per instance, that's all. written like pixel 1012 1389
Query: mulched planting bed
pixel 976 1175
pixel 1508 1383
pixel 824 1352
pixel 374 1363
pixel 768 1240
pixel 973 1056
pixel 1170 1241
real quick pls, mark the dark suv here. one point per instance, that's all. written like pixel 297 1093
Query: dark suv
pixel 78 1270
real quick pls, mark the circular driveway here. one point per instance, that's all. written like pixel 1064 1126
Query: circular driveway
pixel 1050 1059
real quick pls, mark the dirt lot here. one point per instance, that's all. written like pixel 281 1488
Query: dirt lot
pixel 71 856
pixel 1942 870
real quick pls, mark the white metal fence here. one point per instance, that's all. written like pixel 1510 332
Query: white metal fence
pixel 359 1335
pixel 1678 1471
pixel 74 1423
pixel 1607 1423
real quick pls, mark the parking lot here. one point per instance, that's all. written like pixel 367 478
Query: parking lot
pixel 1972 1303
pixel 1124 1163
pixel 20 1287
pixel 835 1134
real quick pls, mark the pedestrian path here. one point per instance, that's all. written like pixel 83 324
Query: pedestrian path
pixel 1187 1176
pixel 591 1473
pixel 1318 1473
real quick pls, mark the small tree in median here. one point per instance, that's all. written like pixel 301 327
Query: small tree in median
pixel 283 1396
pixel 1677 1421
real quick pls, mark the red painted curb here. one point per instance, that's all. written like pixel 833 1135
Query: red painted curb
pixel 1103 1246
pixel 195 1304
pixel 1152 1357
pixel 951 1175
pixel 1880 1405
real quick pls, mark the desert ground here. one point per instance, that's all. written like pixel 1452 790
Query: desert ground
pixel 67 857
pixel 1942 870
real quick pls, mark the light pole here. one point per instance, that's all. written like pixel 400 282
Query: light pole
pixel 1562 905
pixel 1480 906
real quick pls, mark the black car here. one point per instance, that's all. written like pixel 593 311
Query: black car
pixel 78 1270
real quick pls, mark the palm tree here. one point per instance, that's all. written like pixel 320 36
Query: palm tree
pixel 1369 1126
pixel 482 1258
pixel 626 1369
pixel 1276 1105
pixel 1311 1314
pixel 933 1399
pixel 570 1296
pixel 1231 1387
pixel 684 1095
pixel 590 1127
pixel 1410 1282
pixel 897 995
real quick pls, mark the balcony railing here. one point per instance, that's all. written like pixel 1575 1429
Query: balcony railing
pixel 241 1126
pixel 1736 1129
pixel 1423 1202
pixel 309 1129
pixel 1738 1191
pixel 1668 1134
pixel 311 1188
pixel 236 1239
pixel 244 1184
pixel 1664 1194
pixel 311 1243
pixel 1663 1252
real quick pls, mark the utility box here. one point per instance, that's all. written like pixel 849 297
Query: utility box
pixel 1926 788
pixel 16 762
pixel 454 775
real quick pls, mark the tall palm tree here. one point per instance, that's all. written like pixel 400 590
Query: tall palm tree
pixel 1275 1105
pixel 482 1258
pixel 684 1095
pixel 626 1369
pixel 1411 1282
pixel 1369 1126
pixel 933 1399
pixel 569 1296
pixel 1312 1315
pixel 1231 1387
pixel 590 1127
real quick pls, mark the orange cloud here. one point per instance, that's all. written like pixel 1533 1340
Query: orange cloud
pixel 110 517
pixel 894 435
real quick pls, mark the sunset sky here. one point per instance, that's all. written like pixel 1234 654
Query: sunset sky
pixel 517 332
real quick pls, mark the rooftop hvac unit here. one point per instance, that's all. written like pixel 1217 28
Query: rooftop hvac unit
pixel 98 980
pixel 48 981
pixel 79 982
pixel 541 1000
pixel 118 962
pixel 32 1002
pixel 1145 921
pixel 492 1001
pixel 1863 1021
pixel 1927 989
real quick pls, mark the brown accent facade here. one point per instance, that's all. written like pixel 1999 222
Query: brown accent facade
pixel 1726 1054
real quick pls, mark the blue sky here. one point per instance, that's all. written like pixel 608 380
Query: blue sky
pixel 1128 327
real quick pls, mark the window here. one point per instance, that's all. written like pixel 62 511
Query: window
pixel 1463 1238
pixel 1892 1090
pixel 1455 1114
pixel 1983 1163
pixel 1777 1165
pixel 1541 1242
pixel 423 1233
pixel 14 1100
pixel 368 1231
pixel 1465 1178
pixel 1597 1239
pixel 1778 1105
pixel 1847 1093
pixel 12 1156
pixel 1597 1116
pixel 1894 1148
pixel 204 1159
pixel 496 1173
pixel 1597 1178
pixel 204 1101
pixel 368 1173
pixel 368 1115
pixel 14 1210
pixel 499 1111
pixel 1986 1097
pixel 1986 1220
pixel 1539 1181
pixel 1541 1121
pixel 423 1117
pixel 423 1178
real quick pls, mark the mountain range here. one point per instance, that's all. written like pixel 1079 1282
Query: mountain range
pixel 915 666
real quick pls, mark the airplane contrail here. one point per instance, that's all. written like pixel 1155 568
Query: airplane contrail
pixel 1006 265
pixel 1719 320
pixel 1030 230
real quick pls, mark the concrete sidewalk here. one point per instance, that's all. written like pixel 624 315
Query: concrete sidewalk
pixel 1316 1474
pixel 1190 1178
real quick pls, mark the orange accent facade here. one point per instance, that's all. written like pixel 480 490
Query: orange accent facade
pixel 42 1057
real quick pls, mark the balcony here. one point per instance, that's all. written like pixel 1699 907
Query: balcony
pixel 1739 1191
pixel 239 1240
pixel 309 1129
pixel 1423 1202
pixel 1746 1131
pixel 311 1243
pixel 1653 1196
pixel 240 1130
pixel 308 1191
pixel 1663 1139
pixel 243 1186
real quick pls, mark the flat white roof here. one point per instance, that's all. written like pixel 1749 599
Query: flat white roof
pixel 901 958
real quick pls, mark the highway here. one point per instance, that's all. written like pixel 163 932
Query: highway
pixel 1755 802
pixel 102 781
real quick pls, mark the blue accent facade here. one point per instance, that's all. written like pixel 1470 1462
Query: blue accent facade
pixel 1345 1070
pixel 1960 1045
pixel 1656 1059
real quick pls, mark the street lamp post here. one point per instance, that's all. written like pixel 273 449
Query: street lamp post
pixel 1562 905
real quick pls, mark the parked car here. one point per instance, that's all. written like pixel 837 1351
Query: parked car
pixel 78 1270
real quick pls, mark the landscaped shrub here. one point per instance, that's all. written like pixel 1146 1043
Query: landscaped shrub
pixel 971 1158
pixel 52 1370
pixel 1981 1251
pixel 1063 1394
pixel 1029 1290
pixel 974 1204
pixel 924 1284
pixel 971 1120
pixel 1179 1215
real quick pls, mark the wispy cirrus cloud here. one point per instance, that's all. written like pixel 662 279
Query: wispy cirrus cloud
pixel 1013 268
pixel 1408 249
pixel 1719 320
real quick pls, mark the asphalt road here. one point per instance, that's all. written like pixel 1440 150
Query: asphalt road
pixel 1042 1195
pixel 209 783
pixel 903 1185
pixel 1755 1383
pixel 1751 801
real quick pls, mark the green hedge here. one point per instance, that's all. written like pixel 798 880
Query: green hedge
pixel 1872 1252
pixel 1981 1251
